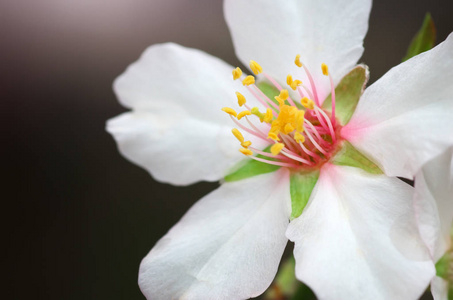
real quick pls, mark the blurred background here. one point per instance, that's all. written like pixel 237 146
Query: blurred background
pixel 78 218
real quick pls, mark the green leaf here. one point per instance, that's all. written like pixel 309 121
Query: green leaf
pixel 348 93
pixel 350 156
pixel 424 39
pixel 249 168
pixel 301 186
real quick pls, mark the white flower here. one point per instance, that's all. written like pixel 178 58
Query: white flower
pixel 357 237
pixel 433 201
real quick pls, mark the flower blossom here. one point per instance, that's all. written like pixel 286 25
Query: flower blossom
pixel 320 166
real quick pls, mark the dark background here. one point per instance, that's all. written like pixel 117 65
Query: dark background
pixel 77 217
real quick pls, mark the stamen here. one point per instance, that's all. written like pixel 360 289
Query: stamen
pixel 289 79
pixel 243 114
pixel 230 111
pixel 278 86
pixel 256 68
pixel 297 61
pixel 246 151
pixel 315 144
pixel 325 69
pixel 268 116
pixel 248 80
pixel 265 97
pixel 255 111
pixel 307 103
pixel 257 97
pixel 237 73
pixel 310 153
pixel 276 163
pixel 299 137
pixel 276 148
pixel 313 129
pixel 295 84
pixel 273 136
pixel 288 126
pixel 254 127
pixel 238 134
pixel 312 83
pixel 267 154
pixel 329 124
pixel 246 144
pixel 241 99
pixel 248 130
pixel 296 158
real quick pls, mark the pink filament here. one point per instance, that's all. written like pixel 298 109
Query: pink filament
pixel 313 87
pixel 248 130
pixel 276 163
pixel 279 87
pixel 275 106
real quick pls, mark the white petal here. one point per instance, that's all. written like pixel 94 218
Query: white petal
pixel 273 32
pixel 357 238
pixel 406 117
pixel 227 246
pixel 439 288
pixel 177 151
pixel 434 203
pixel 177 130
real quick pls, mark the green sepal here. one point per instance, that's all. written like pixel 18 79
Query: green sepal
pixel 424 39
pixel 442 266
pixel 350 156
pixel 301 186
pixel 348 93
pixel 250 167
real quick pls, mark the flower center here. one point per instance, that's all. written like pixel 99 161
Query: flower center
pixel 301 134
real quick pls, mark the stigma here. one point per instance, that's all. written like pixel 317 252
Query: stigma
pixel 299 133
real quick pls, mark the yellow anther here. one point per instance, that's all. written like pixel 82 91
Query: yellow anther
pixel 307 103
pixel 230 111
pixel 297 61
pixel 237 73
pixel 288 128
pixel 241 99
pixel 276 148
pixel 248 80
pixel 273 136
pixel 243 114
pixel 300 120
pixel 325 69
pixel 289 79
pixel 299 137
pixel 279 100
pixel 256 68
pixel 284 94
pixel 295 84
pixel 246 144
pixel 255 111
pixel 238 135
pixel 268 116
pixel 246 151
